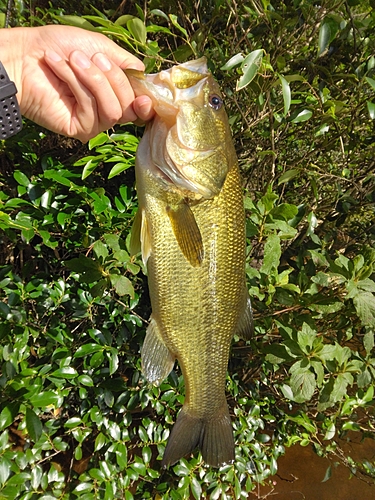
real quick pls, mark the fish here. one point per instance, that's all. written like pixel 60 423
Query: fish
pixel 190 230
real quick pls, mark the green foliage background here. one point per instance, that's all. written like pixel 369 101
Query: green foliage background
pixel 77 419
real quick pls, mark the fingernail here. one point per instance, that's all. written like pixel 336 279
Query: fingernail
pixel 102 62
pixel 54 56
pixel 81 60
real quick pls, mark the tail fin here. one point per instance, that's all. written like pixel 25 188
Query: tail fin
pixel 214 438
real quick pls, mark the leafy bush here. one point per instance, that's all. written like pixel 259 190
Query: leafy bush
pixel 76 416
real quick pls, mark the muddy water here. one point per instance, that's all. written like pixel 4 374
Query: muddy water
pixel 301 473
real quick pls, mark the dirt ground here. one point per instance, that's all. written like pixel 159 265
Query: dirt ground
pixel 301 473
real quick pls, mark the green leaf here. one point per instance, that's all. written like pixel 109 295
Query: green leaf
pixel 100 441
pixel 277 353
pixel 371 109
pixel 286 94
pixel 77 21
pixel 137 29
pixel 367 285
pixel 327 33
pixel 330 432
pixel 158 12
pixel 21 178
pixel 176 24
pixel 250 67
pixel 122 285
pixel 46 398
pixel 302 383
pixel 370 81
pixel 321 279
pixel 319 370
pixel 306 337
pixel 33 424
pixel 90 269
pixel 287 392
pixel 328 474
pixel 340 386
pixel 87 349
pixel 113 240
pixel 8 414
pixel 98 140
pixel 233 61
pixel 196 488
pixel 67 372
pixel 113 360
pixel 46 236
pixel 272 254
pixel 100 249
pixel 122 455
pixel 19 478
pixel 86 380
pixel 302 116
pixel 58 177
pixel 364 303
pixel 146 454
pixel 122 20
pixel 289 175
pixel 139 467
pixel 5 469
pixel 89 168
pixel 118 168
pixel 368 341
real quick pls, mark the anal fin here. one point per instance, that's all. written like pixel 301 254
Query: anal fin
pixel 186 232
pixel 157 360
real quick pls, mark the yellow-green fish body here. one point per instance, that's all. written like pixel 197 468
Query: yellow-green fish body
pixel 192 232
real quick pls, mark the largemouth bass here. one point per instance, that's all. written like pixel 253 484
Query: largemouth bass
pixel 190 228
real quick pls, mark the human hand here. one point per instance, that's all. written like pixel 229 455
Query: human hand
pixel 70 80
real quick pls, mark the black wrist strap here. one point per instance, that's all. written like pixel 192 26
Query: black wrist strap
pixel 10 115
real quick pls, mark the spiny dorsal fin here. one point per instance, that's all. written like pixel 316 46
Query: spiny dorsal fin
pixel 187 232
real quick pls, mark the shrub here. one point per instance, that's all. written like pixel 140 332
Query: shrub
pixel 76 416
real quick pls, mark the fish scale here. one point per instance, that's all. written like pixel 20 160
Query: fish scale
pixel 194 246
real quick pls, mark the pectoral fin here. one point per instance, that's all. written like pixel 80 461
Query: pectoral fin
pixel 245 328
pixel 140 240
pixel 187 233
pixel 157 361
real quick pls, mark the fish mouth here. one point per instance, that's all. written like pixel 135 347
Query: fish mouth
pixel 164 88
pixel 178 93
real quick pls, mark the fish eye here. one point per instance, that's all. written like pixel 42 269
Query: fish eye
pixel 215 101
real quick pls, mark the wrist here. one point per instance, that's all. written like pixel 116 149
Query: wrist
pixel 10 115
pixel 12 55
